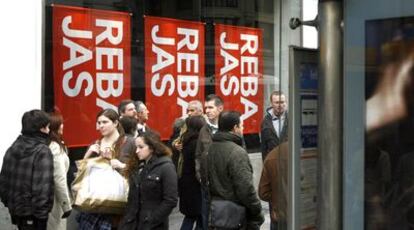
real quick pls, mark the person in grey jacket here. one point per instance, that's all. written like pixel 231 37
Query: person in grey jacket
pixel 26 178
pixel 230 172
pixel 152 186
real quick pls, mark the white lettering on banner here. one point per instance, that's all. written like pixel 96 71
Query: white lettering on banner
pixel 74 49
pixel 230 62
pixel 168 78
pixel 110 78
pixel 187 81
pixel 252 64
pixel 114 81
pixel 164 59
pixel 73 92
pixel 110 53
pixel 160 40
pixel 74 33
pixel 233 84
pixel 227 45
pixel 186 41
pixel 183 105
pixel 252 43
pixel 107 34
pixel 248 83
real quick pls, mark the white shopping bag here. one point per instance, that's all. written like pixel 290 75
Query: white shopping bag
pixel 98 188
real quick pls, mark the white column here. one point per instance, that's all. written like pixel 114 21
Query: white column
pixel 20 65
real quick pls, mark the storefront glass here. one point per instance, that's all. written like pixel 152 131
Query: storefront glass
pixel 378 73
pixel 164 53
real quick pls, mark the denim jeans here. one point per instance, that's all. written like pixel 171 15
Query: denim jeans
pixel 273 225
pixel 188 223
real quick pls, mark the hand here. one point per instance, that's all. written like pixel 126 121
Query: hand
pixel 107 153
pixel 92 149
pixel 116 164
pixel 178 146
pixel 66 214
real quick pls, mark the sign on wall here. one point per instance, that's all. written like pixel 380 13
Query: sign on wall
pixel 174 69
pixel 91 67
pixel 239 72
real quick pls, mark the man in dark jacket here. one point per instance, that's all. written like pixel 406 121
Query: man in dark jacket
pixel 213 107
pixel 26 178
pixel 274 129
pixel 230 172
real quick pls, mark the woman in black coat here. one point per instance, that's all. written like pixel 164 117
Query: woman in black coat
pixel 189 187
pixel 153 185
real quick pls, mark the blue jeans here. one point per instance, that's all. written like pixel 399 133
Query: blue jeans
pixel 188 223
pixel 273 225
pixel 204 207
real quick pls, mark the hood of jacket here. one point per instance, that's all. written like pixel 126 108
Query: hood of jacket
pixel 27 144
pixel 155 161
pixel 228 136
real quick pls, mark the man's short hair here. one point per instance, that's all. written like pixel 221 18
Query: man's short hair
pixel 138 106
pixel 197 104
pixel 276 93
pixel 122 106
pixel 227 120
pixel 34 120
pixel 217 100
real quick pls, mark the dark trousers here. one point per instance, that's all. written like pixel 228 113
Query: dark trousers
pixel 188 223
pixel 29 223
pixel 204 207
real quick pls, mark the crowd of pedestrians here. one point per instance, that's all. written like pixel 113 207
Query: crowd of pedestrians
pixel 204 166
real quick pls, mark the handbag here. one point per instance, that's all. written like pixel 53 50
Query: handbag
pixel 98 188
pixel 226 214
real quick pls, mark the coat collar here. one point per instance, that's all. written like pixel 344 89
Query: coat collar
pixel 221 136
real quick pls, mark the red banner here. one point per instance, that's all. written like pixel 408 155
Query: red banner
pixel 174 69
pixel 239 69
pixel 91 67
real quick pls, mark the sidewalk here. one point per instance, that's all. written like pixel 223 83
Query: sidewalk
pixel 176 218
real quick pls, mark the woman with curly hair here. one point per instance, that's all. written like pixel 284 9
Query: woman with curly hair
pixel 152 185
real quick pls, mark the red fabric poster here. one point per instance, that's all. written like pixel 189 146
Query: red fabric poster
pixel 174 69
pixel 239 69
pixel 91 67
